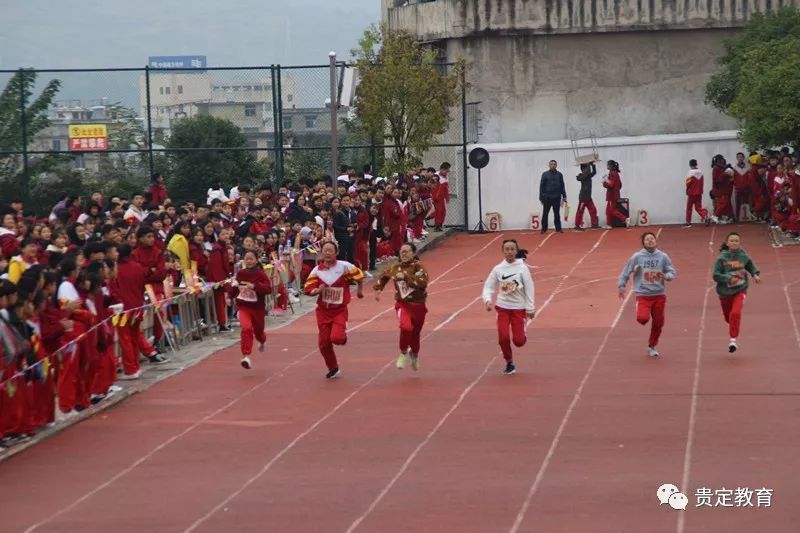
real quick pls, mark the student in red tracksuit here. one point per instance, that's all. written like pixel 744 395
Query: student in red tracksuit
pixel 363 229
pixel 410 282
pixel 694 194
pixel 731 272
pixel 130 284
pixel 722 188
pixel 441 196
pixel 613 185
pixel 151 257
pixel 220 269
pixel 330 281
pixel 759 191
pixel 250 288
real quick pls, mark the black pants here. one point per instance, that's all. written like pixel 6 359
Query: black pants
pixel 373 248
pixel 347 248
pixel 555 205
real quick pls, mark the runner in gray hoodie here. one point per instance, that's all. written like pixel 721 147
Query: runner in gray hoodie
pixel 650 268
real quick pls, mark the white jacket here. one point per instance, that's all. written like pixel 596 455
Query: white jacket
pixel 513 284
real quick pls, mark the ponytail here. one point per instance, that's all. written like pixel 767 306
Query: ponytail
pixel 522 254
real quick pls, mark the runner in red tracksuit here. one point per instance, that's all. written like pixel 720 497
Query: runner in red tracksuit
pixel 410 283
pixel 250 288
pixel 330 280
pixel 613 185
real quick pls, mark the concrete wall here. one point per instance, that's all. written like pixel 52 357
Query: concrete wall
pixel 536 88
pixel 448 19
pixel 653 170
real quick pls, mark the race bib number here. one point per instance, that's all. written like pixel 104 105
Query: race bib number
pixel 652 277
pixel 403 289
pixel 332 295
pixel 246 294
pixel 738 278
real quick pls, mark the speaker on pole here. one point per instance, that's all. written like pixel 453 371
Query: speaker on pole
pixel 479 158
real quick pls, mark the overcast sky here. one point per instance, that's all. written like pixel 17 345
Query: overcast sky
pixel 49 34
pixel 117 33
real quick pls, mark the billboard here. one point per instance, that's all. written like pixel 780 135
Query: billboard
pixel 87 137
pixel 169 62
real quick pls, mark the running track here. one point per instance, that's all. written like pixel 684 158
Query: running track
pixel 578 440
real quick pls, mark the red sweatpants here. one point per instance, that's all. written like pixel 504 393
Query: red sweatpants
pixel 72 391
pixel 732 311
pixel 723 207
pixel 588 204
pixel 440 211
pixel 251 320
pixel 651 306
pixel 412 318
pixel 132 343
pixel 105 371
pixel 513 319
pixel 695 202
pixel 221 308
pixel 612 212
pixel 743 198
pixel 332 326
pixel 417 225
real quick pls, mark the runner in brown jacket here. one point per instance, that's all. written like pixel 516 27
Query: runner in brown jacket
pixel 410 283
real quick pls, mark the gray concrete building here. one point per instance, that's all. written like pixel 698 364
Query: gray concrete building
pixel 554 69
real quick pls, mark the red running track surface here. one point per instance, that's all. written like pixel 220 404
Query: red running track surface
pixel 578 440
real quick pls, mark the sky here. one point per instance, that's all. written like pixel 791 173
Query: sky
pixel 116 33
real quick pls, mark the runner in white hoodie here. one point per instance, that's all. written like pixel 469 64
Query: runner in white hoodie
pixel 511 281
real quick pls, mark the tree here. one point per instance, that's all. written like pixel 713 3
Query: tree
pixel 19 91
pixel 758 80
pixel 225 157
pixel 403 96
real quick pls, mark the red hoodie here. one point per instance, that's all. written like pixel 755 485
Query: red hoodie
pixel 131 278
pixel 613 185
pixel 219 268
pixel 152 259
pixel 159 193
pixel 197 254
pixel 252 298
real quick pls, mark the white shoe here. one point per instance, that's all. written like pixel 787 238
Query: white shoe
pixel 401 361
pixel 652 352
pixel 114 388
pixel 131 377
pixel 733 346
pixel 294 299
pixel 246 363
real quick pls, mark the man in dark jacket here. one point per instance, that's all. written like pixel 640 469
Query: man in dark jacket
pixel 585 197
pixel 552 193
pixel 344 224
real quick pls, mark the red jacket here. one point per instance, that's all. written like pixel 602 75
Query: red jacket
pixel 152 259
pixel 613 185
pixel 159 193
pixel 219 267
pixel 694 183
pixel 257 277
pixel 741 182
pixel 131 279
pixel 9 245
pixel 51 327
pixel 197 254
pixel 722 183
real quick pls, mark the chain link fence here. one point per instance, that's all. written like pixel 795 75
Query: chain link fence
pixel 108 130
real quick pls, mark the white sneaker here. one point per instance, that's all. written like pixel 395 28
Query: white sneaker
pixel 652 352
pixel 131 377
pixel 246 363
pixel 733 346
pixel 294 299
pixel 114 388
pixel 401 361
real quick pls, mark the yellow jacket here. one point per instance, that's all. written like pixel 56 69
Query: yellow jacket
pixel 16 267
pixel 179 246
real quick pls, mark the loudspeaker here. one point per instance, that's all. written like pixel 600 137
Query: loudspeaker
pixel 478 158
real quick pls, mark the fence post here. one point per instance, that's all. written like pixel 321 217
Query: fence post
pixel 464 141
pixel 373 160
pixel 24 129
pixel 275 118
pixel 334 119
pixel 279 168
pixel 149 118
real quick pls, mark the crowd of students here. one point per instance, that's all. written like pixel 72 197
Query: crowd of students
pixel 762 188
pixel 79 280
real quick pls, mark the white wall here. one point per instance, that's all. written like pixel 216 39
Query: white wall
pixel 653 169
